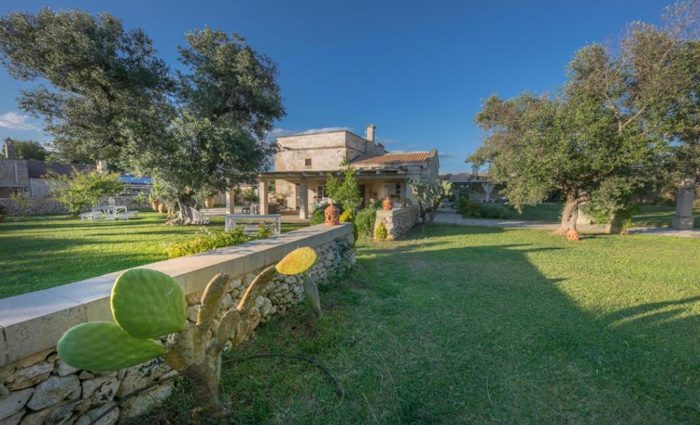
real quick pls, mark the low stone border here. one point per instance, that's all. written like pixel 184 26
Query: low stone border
pixel 397 221
pixel 37 387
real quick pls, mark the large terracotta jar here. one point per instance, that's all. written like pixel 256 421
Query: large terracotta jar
pixel 209 202
pixel 386 205
pixel 162 208
pixel 154 205
pixel 332 214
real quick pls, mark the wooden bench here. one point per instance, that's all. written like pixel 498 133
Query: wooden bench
pixel 251 223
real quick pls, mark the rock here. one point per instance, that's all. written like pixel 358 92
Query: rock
pixel 30 376
pixel 109 419
pixel 52 415
pixel 226 301
pixel 14 402
pixel 86 375
pixel 64 369
pixel 143 402
pixel 139 376
pixel 14 419
pixel 54 390
pixel 34 358
pixel 3 390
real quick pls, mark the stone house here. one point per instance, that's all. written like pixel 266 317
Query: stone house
pixel 304 161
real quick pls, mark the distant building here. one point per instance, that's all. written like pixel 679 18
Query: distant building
pixel 305 160
pixel 28 176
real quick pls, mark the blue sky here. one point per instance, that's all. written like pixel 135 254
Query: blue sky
pixel 419 70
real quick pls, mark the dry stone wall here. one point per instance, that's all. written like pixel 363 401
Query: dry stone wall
pixel 42 389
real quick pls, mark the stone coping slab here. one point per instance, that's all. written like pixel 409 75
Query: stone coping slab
pixel 33 322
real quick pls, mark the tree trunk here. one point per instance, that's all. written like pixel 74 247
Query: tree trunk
pixel 569 215
pixel 205 387
pixel 187 214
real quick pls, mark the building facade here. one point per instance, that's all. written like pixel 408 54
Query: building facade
pixel 304 162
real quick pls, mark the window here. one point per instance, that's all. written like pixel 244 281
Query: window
pixel 307 162
pixel 321 192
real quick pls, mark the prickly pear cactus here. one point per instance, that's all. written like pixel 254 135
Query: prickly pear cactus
pixel 298 261
pixel 99 346
pixel 148 304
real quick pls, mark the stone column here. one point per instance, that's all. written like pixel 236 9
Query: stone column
pixel 303 200
pixel 488 188
pixel 230 200
pixel 684 205
pixel 262 194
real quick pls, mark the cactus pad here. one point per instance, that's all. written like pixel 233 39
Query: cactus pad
pixel 100 346
pixel 298 261
pixel 148 304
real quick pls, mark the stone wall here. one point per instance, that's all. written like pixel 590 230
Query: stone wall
pixel 37 387
pixel 397 221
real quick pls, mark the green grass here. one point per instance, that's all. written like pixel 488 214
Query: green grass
pixel 483 325
pixel 49 251
pixel 648 215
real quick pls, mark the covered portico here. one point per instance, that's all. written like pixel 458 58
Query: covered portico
pixel 301 189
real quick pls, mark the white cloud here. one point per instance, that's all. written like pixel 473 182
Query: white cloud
pixel 450 155
pixel 277 132
pixel 15 121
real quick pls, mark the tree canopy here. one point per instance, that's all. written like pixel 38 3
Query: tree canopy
pixel 617 121
pixel 197 130
pixel 28 149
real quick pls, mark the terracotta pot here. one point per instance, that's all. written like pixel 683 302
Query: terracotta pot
pixel 386 205
pixel 154 205
pixel 162 208
pixel 331 214
pixel 209 202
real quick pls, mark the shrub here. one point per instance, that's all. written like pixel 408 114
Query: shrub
pixel 348 217
pixel 364 221
pixel 83 189
pixel 210 239
pixel 380 232
pixel 493 211
pixel 468 208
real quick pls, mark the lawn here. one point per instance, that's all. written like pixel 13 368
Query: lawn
pixel 484 325
pixel 49 251
pixel 647 216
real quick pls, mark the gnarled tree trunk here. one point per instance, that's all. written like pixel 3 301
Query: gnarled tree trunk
pixel 570 214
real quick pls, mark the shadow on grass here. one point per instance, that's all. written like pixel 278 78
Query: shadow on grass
pixel 440 331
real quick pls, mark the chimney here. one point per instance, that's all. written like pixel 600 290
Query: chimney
pixel 9 149
pixel 370 133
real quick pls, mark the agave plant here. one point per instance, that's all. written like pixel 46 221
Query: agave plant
pixel 148 305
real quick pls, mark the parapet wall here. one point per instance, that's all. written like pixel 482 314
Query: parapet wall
pixel 397 221
pixel 37 387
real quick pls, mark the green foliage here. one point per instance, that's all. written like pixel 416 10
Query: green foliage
pixel 380 232
pixel 198 129
pixel 479 210
pixel 467 208
pixel 83 188
pixel 106 82
pixel 364 221
pixel 103 346
pixel 140 199
pixel 208 239
pixel 21 200
pixel 348 216
pixel 28 149
pixel 249 195
pixel 429 196
pixel 147 303
pixel 622 117
pixel 345 191
pixel 493 211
